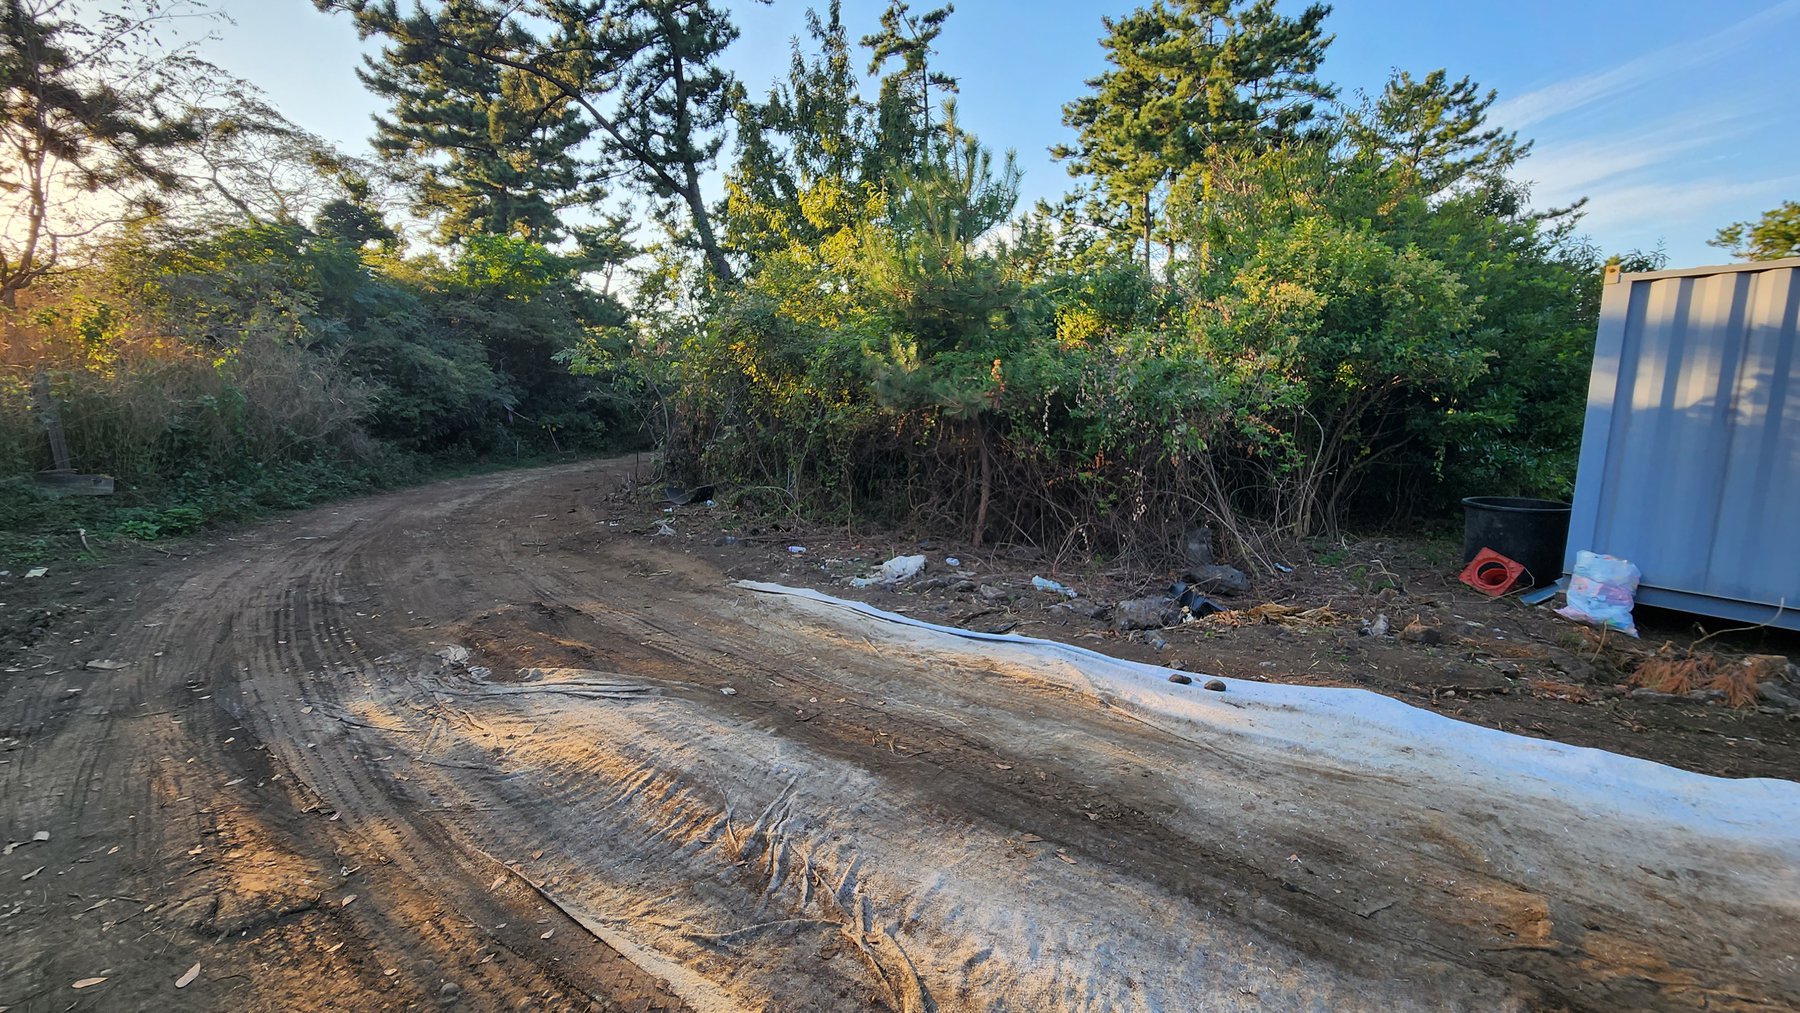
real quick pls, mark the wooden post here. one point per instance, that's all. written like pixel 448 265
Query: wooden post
pixel 46 408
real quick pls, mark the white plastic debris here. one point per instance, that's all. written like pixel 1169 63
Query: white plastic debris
pixel 1046 584
pixel 895 571
pixel 1601 592
pixel 36 571
pixel 797 549
pixel 952 561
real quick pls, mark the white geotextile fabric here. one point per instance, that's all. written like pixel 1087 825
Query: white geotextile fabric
pixel 1359 729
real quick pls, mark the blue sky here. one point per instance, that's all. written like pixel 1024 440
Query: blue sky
pixel 1671 118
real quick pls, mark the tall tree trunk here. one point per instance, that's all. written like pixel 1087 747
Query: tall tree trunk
pixel 1147 269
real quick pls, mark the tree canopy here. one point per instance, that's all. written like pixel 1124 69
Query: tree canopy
pixel 1772 237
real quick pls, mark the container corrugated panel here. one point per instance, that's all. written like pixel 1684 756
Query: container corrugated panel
pixel 1690 456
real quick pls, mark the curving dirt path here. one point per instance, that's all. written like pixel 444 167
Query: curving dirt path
pixel 470 746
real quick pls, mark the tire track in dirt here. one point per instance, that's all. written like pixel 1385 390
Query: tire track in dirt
pixel 227 614
pixel 497 839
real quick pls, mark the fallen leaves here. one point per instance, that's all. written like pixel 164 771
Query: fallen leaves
pixel 188 979
pixel 87 983
pixel 1064 855
pixel 31 874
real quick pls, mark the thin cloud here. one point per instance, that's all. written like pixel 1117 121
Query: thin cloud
pixel 1654 207
pixel 1589 89
pixel 1566 170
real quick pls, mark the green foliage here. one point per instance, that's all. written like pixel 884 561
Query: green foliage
pixel 1772 237
pixel 1188 79
pixel 642 77
pixel 1352 319
pixel 86 106
pixel 494 147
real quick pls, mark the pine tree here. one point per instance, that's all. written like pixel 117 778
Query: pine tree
pixel 643 75
pixel 904 129
pixel 495 150
pixel 812 131
pixel 1191 78
pixel 1434 131
pixel 1773 236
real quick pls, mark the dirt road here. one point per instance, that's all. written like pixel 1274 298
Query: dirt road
pixel 472 746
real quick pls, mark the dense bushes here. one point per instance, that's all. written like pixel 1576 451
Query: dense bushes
pixel 1299 316
pixel 1320 351
pixel 219 374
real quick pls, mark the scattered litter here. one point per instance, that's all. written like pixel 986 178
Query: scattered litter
pixel 797 550
pixel 952 561
pixel 188 979
pixel 682 497
pixel 31 873
pixel 728 691
pixel 548 934
pixel 1156 641
pixel 36 571
pixel 1492 573
pixel 1045 584
pixel 1197 605
pixel 103 665
pixel 87 982
pixel 664 529
pixel 895 571
pixel 1284 568
pixel 1544 594
pixel 1217 579
pixel 1601 592
pixel 456 654
pixel 40 836
pixel 1378 627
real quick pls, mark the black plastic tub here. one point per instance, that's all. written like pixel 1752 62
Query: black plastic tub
pixel 1530 531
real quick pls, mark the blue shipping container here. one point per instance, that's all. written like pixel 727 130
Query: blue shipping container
pixel 1690 456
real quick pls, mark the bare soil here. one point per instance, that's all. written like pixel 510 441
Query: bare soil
pixel 312 757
